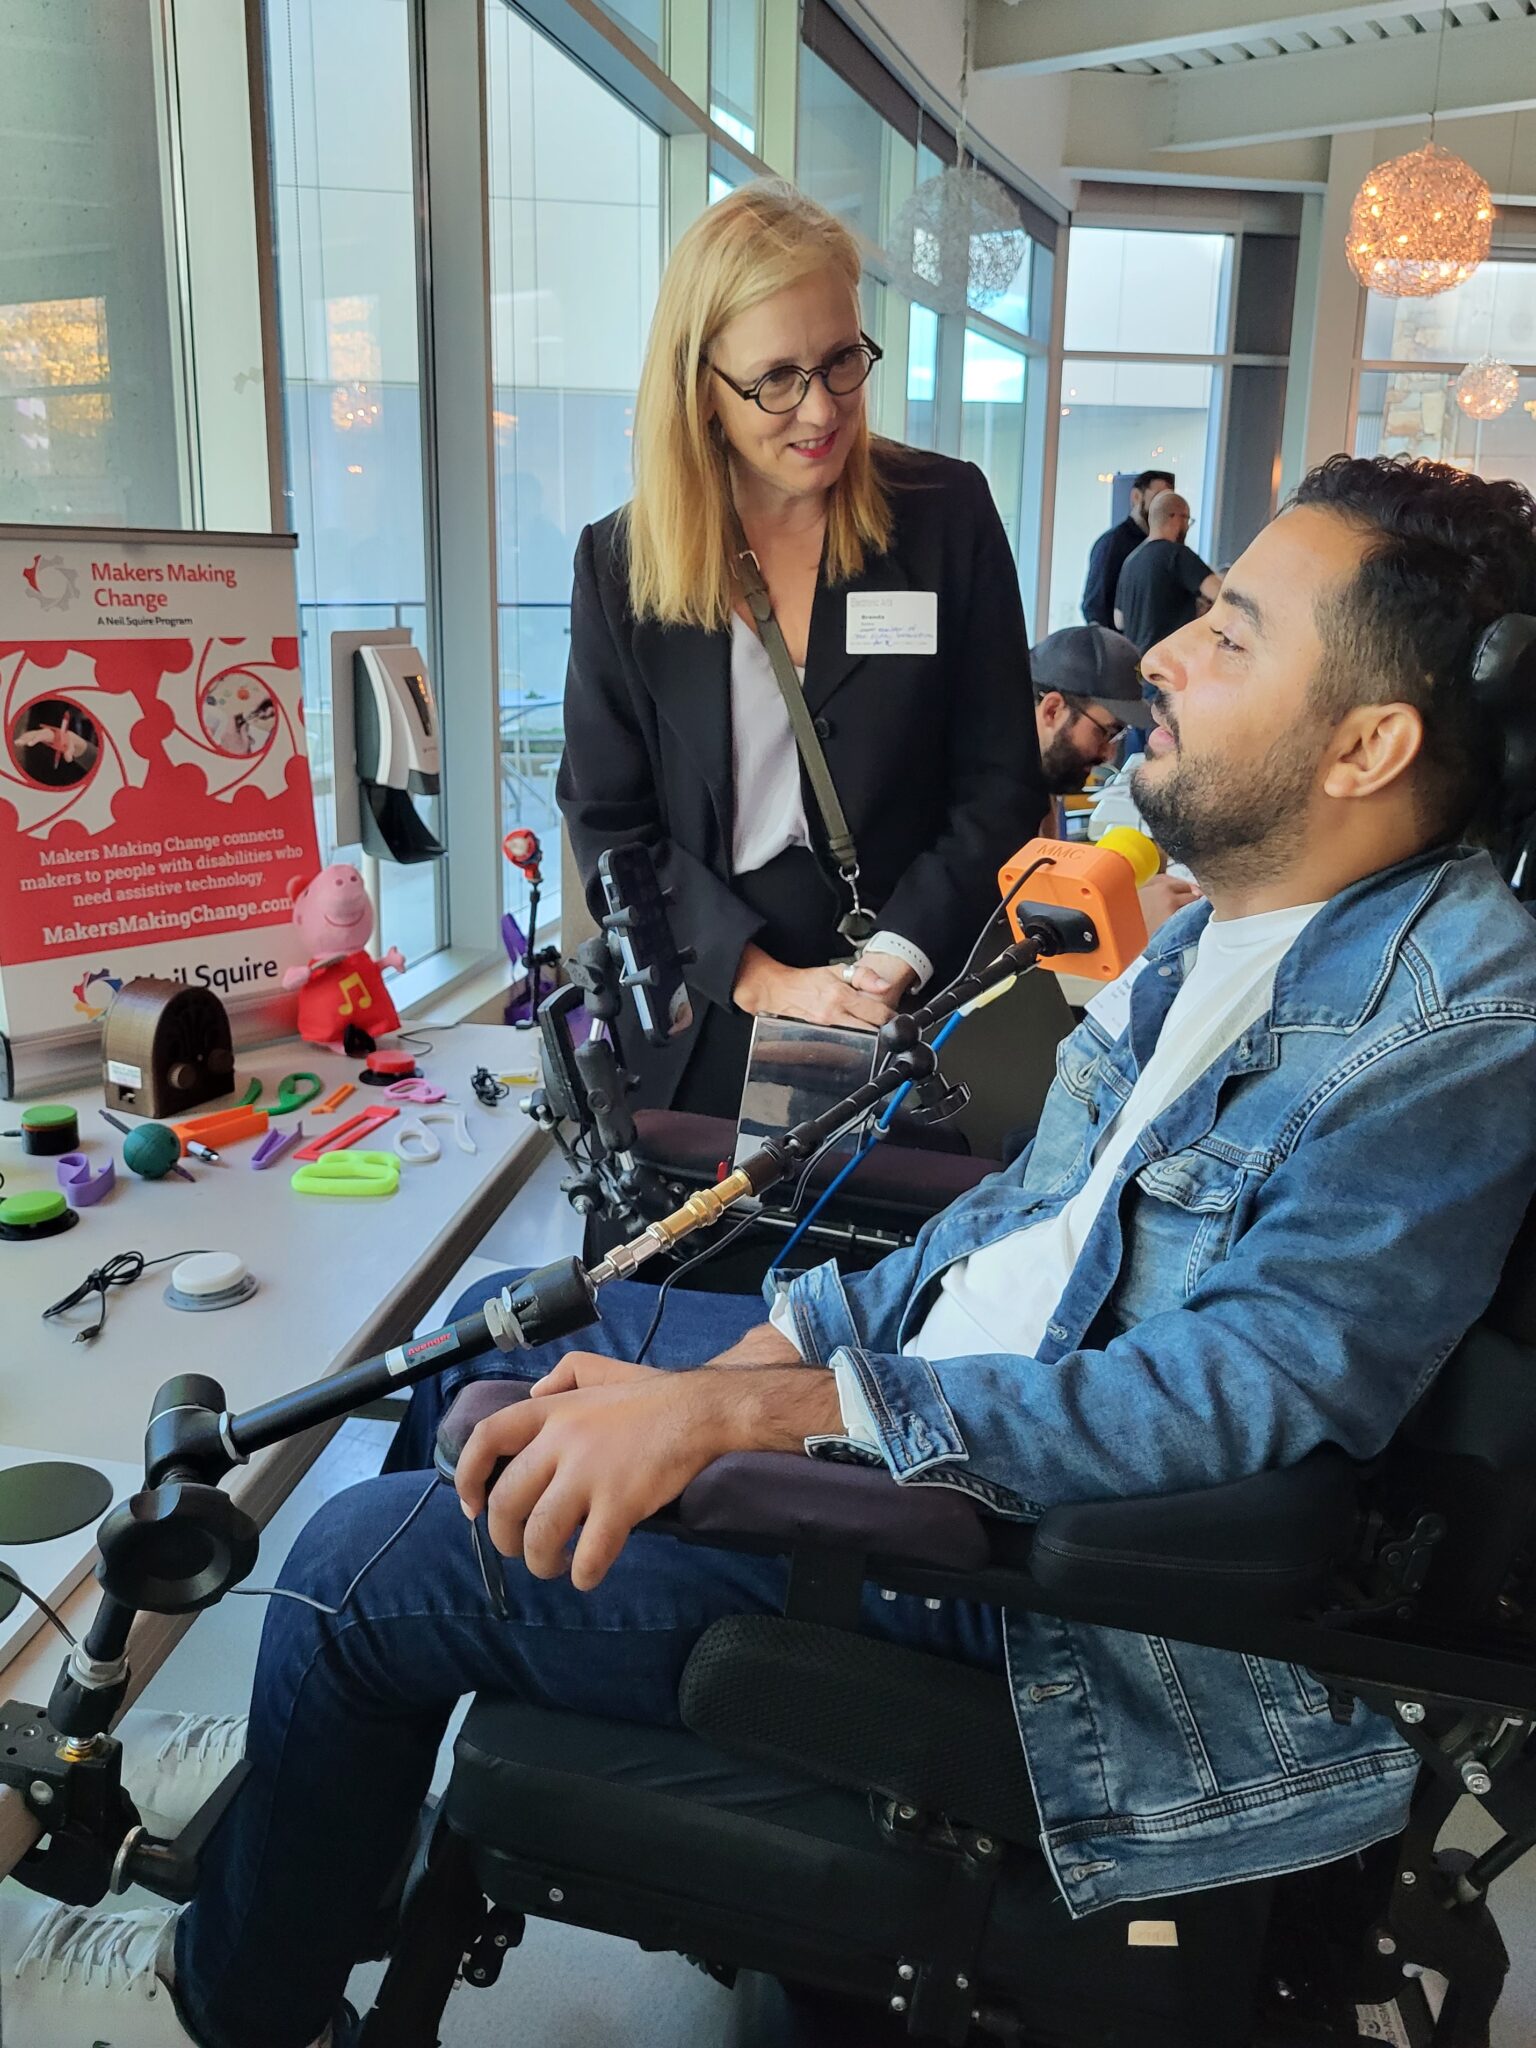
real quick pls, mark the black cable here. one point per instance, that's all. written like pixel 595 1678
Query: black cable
pixel 488 1090
pixel 38 1602
pixel 719 1244
pixel 1045 861
pixel 686 1266
pixel 119 1271
pixel 308 1600
pixel 423 1043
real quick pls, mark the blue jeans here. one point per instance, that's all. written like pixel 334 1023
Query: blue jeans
pixel 348 1712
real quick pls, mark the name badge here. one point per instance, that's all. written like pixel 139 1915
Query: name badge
pixel 893 622
pixel 1111 1007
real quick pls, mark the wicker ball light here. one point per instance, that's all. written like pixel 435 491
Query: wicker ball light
pixel 1486 388
pixel 1420 224
pixel 958 242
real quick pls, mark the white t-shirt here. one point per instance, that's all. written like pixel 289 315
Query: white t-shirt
pixel 1001 1298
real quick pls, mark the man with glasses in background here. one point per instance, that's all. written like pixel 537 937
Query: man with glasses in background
pixel 1087 687
pixel 1087 692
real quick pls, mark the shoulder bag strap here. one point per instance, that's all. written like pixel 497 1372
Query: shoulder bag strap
pixel 859 923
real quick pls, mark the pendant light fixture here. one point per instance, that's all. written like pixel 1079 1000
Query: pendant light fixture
pixel 958 242
pixel 1421 223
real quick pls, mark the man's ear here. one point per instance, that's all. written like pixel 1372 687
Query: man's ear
pixel 1374 747
pixel 1050 708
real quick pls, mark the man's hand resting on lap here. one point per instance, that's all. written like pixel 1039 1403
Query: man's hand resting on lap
pixel 605 1444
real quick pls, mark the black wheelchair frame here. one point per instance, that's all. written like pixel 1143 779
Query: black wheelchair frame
pixel 1408 1585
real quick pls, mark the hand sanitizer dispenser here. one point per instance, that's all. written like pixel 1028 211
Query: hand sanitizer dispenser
pixel 398 751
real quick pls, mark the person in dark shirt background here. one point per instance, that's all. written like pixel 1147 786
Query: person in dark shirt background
pixel 1108 554
pixel 1163 582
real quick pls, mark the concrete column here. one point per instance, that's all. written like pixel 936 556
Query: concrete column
pixel 1327 318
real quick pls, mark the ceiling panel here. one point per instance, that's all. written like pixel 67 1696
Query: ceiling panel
pixel 1323 35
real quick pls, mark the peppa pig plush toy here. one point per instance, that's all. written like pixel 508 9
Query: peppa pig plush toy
pixel 344 1004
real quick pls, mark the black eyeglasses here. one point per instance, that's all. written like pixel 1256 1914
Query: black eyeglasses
pixel 1112 732
pixel 783 389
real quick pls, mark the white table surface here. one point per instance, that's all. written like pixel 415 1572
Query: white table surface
pixel 338 1282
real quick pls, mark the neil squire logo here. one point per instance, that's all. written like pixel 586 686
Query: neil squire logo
pixel 95 992
pixel 53 585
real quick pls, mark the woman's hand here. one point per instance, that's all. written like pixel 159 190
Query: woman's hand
pixel 817 995
pixel 884 975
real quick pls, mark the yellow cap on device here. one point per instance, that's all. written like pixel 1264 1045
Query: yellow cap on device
pixel 1135 847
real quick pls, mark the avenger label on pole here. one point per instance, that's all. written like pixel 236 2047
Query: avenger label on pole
pixel 155 800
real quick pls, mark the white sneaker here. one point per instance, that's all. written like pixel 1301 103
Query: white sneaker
pixel 173 1762
pixel 71 1975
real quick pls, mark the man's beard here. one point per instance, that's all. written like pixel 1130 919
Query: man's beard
pixel 1065 769
pixel 1228 828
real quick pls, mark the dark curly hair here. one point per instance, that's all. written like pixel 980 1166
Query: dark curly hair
pixel 1449 553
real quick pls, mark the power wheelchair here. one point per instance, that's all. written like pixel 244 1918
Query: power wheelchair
pixel 894 1889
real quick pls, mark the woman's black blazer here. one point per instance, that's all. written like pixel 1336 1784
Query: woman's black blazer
pixel 934 757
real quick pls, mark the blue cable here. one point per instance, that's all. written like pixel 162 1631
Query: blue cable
pixel 860 1156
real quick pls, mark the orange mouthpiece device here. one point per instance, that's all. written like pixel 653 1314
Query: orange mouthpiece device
pixel 1099 882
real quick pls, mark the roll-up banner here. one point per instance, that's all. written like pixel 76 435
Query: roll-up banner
pixel 155 800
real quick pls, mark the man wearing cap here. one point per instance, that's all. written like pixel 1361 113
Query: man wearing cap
pixel 1087 691
pixel 1087 686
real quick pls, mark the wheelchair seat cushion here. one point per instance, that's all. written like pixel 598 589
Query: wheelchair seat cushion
pixel 856 1712
pixel 662 1838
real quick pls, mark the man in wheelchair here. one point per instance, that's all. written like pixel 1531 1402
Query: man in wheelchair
pixel 1273 1187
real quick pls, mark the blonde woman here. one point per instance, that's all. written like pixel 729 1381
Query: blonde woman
pixel 891 582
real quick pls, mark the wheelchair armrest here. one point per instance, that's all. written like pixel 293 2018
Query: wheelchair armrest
pixel 782 1497
pixel 777 1497
pixel 1261 1545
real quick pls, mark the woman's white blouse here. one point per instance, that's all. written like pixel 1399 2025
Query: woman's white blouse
pixel 768 812
pixel 765 768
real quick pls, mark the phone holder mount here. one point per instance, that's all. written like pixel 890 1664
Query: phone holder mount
pixel 586 1083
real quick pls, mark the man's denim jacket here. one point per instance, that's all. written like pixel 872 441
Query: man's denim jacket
pixel 1285 1259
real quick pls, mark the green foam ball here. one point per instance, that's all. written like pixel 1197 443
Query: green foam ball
pixel 151 1150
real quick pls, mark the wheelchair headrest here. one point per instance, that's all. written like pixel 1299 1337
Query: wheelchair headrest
pixel 1504 686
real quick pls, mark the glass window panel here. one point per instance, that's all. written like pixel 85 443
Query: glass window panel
pixel 1414 413
pixel 1042 266
pixel 726 173
pixel 348 288
pixel 1147 292
pixel 1493 313
pixel 641 19
pixel 1121 417
pixel 922 375
pixel 735 32
pixel 840 148
pixel 1012 308
pixel 100 381
pixel 575 261
pixel 993 423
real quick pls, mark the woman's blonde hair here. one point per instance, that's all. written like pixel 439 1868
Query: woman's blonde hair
pixel 746 247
